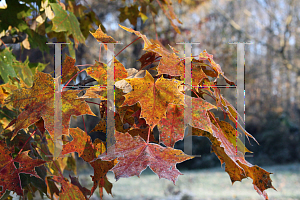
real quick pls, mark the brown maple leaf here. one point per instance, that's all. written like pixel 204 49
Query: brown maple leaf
pixel 95 92
pixel 68 69
pixel 147 58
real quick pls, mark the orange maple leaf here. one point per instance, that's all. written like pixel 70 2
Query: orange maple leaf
pixel 153 97
pixel 89 151
pixel 68 69
pixel 100 36
pixel 38 101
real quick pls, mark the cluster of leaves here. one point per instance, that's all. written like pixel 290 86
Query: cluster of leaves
pixel 150 98
pixel 43 20
pixel 36 22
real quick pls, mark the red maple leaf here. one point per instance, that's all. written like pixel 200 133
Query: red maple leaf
pixel 134 155
pixel 9 173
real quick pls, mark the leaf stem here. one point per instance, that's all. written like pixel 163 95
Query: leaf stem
pixel 3 43
pixel 27 141
pixel 92 102
pixel 193 89
pixel 128 46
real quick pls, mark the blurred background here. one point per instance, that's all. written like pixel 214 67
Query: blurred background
pixel 272 69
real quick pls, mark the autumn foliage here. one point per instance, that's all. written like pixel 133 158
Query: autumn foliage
pixel 142 102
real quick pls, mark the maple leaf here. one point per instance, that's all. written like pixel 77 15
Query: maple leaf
pixel 207 69
pixel 38 101
pixel 66 21
pixel 69 191
pixel 233 115
pixel 84 190
pixel 147 58
pixel 100 36
pixel 95 92
pixel 99 71
pixel 134 155
pixel 235 164
pixel 101 168
pixel 52 189
pixel 81 144
pixel 143 133
pixel 197 72
pixel 88 151
pixel 230 134
pixel 6 61
pixel 104 183
pixel 9 173
pixel 131 13
pixel 119 70
pixel 3 94
pixel 172 126
pixel 153 97
pixel 101 126
pixel 169 63
pixel 148 46
pixel 216 67
pixel 68 69
pixel 200 118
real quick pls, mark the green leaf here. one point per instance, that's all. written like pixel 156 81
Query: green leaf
pixel 66 22
pixel 6 61
pixel 24 72
pixel 37 41
pixel 39 66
